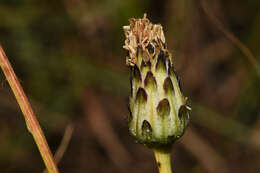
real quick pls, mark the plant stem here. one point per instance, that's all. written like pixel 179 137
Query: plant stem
pixel 30 118
pixel 163 160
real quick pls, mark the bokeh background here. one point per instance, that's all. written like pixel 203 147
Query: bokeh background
pixel 69 58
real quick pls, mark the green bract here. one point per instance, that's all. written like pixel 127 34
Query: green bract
pixel 158 110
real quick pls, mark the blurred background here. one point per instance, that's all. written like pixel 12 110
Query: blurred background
pixel 69 58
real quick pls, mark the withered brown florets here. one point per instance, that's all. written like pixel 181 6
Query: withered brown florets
pixel 142 35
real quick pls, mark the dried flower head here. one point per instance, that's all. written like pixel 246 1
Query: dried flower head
pixel 142 34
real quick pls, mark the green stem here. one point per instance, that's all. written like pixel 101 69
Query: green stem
pixel 163 160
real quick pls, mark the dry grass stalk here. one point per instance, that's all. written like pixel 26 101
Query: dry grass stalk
pixel 31 121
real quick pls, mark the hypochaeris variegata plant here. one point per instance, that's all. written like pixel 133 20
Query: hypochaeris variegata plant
pixel 158 111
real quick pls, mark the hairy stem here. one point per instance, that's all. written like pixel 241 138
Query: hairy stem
pixel 30 118
pixel 163 160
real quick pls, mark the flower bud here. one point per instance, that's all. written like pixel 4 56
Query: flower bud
pixel 158 111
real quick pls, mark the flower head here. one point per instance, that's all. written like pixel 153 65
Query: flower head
pixel 158 111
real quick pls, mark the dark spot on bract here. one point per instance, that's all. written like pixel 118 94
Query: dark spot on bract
pixel 161 55
pixel 168 86
pixel 147 129
pixel 136 74
pixel 150 80
pixel 150 48
pixel 141 95
pixel 183 112
pixel 145 65
pixel 171 70
pixel 161 61
pixel 163 108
